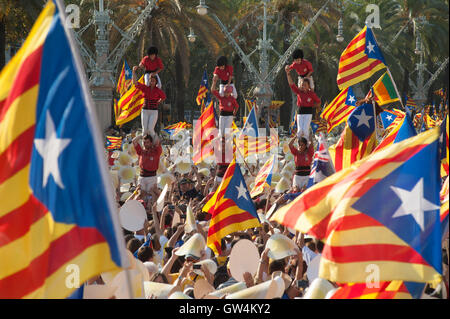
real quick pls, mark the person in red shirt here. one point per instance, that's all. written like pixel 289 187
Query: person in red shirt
pixel 153 96
pixel 152 64
pixel 224 73
pixel 303 157
pixel 148 163
pixel 303 67
pixel 228 108
pixel 307 100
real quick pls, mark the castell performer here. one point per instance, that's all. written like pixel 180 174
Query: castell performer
pixel 153 96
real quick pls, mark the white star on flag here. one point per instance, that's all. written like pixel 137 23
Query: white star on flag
pixel 371 47
pixel 363 119
pixel 389 117
pixel 242 192
pixel 413 203
pixel 50 148
pixel 351 99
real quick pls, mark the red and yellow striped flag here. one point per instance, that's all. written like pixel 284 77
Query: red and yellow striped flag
pixel 350 149
pixel 130 104
pixel 203 136
pixel 382 290
pixel 339 109
pixel 58 222
pixel 264 177
pixel 231 208
pixel 360 60
pixel 367 215
pixel 125 79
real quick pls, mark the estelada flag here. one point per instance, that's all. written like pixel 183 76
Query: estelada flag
pixel 360 60
pixel 130 104
pixel 382 211
pixel 125 78
pixel 56 206
pixel 339 109
pixel 231 207
pixel 113 142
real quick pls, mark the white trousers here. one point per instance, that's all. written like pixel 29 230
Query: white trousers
pixel 300 181
pixel 311 82
pixel 148 120
pixel 147 183
pixel 147 80
pixel 222 90
pixel 225 122
pixel 303 124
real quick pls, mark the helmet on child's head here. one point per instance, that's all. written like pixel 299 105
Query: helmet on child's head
pixel 152 50
pixel 228 89
pixel 297 54
pixel 222 61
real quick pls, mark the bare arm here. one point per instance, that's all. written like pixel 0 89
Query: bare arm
pixel 175 236
pixel 288 75
pixel 134 77
pixel 156 221
pixel 263 266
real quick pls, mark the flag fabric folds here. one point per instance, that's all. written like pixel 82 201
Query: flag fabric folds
pixel 113 143
pixel 410 104
pixel 395 289
pixel 384 90
pixel 250 104
pixel 56 205
pixel 362 121
pixel 125 79
pixel 264 178
pixel 231 208
pixel 203 90
pixel 174 129
pixel 319 126
pixel 203 135
pixel 130 104
pixel 402 131
pixel 401 236
pixel 360 60
pixel 322 166
pixel 339 109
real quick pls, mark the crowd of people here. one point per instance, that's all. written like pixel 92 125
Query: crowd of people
pixel 169 252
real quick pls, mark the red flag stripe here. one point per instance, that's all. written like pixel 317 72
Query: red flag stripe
pixel 31 278
pixel 367 69
pixel 26 78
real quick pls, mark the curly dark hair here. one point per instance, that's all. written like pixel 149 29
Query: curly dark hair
pixel 222 61
pixel 297 54
pixel 152 50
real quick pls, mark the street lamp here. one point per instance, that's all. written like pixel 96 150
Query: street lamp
pixel 340 35
pixel 191 36
pixel 202 8
pixel 418 49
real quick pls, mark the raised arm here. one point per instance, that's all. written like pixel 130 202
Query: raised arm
pixel 134 77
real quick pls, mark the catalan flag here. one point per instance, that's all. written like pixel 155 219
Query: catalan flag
pixel 174 129
pixel 410 104
pixel 360 60
pixel 203 135
pixel 203 90
pixel 384 90
pixel 231 208
pixel 387 118
pixel 395 289
pixel 56 208
pixel 116 108
pixel 444 147
pixel 250 104
pixel 130 104
pixel 351 147
pixel 402 131
pixel 429 121
pixel 319 126
pixel 113 142
pixel 339 109
pixel 350 212
pixel 125 79
pixel 263 179
pixel 293 124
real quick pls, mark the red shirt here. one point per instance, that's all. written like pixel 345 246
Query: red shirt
pixel 148 159
pixel 305 99
pixel 305 158
pixel 224 74
pixel 226 104
pixel 151 96
pixel 302 68
pixel 152 65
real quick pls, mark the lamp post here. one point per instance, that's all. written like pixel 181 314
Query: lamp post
pixel 102 66
pixel 191 36
pixel 263 78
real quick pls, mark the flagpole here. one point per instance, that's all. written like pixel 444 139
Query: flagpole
pixel 246 165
